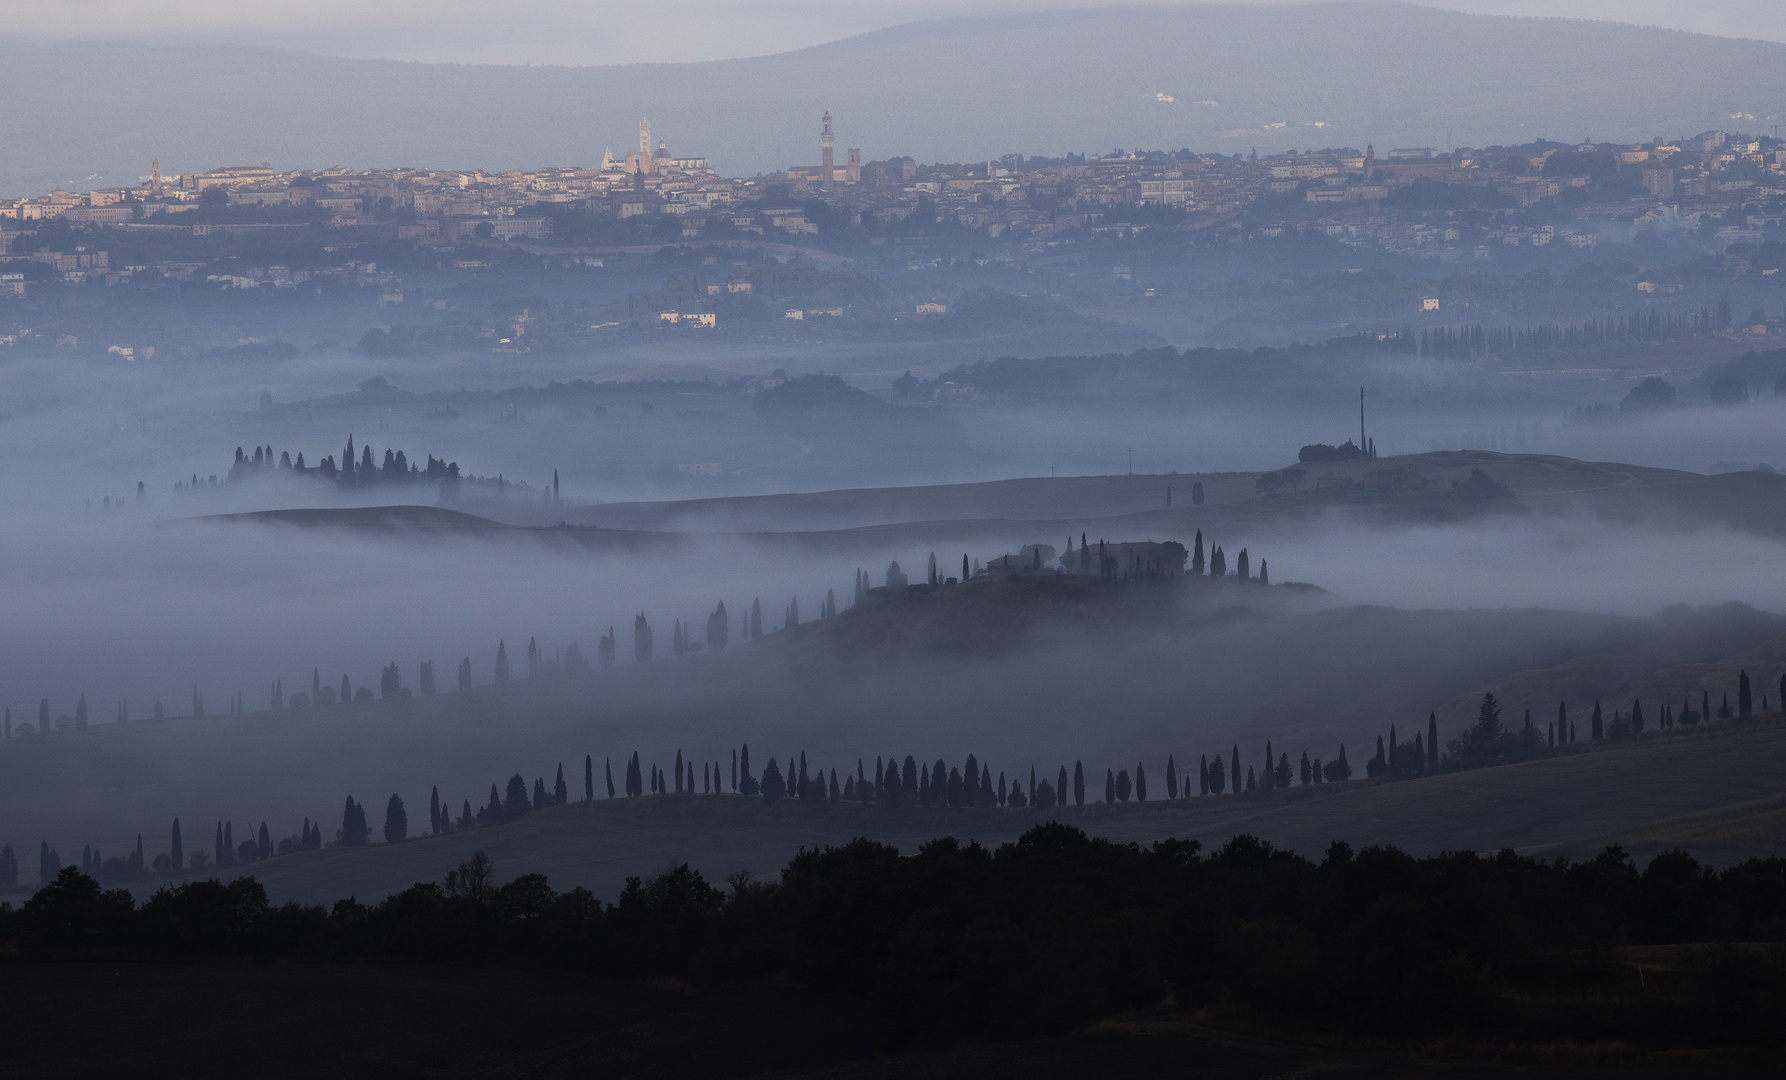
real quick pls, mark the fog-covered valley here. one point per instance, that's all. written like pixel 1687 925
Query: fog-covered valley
pixel 593 481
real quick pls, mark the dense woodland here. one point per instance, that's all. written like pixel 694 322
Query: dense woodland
pixel 1058 930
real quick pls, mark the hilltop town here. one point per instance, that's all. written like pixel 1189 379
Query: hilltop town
pixel 1461 205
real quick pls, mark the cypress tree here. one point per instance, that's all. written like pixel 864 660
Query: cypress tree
pixel 1637 716
pixel 434 811
pixel 560 794
pixel 986 795
pixel 1705 705
pixel 1265 778
pixel 1595 729
pixel 1306 778
pixel 396 822
pixel 608 774
pixel 221 859
pixel 1140 783
pixel 1745 703
pixel 176 853
pixel 588 777
pixel 1432 742
pixel 678 772
pixel 1078 783
pixel 1202 774
pixel 1110 785
pixel 1234 769
pixel 1171 779
pixel 1218 781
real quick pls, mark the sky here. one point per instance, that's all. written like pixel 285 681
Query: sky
pixel 576 32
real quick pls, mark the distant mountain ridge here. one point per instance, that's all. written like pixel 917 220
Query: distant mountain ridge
pixel 93 114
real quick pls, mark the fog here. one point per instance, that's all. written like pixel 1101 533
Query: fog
pixel 645 471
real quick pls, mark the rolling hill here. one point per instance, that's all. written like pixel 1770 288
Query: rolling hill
pixel 1714 792
pixel 93 114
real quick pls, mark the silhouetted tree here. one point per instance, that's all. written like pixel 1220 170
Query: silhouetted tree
pixel 1745 703
pixel 1306 777
pixel 1218 778
pixel 1078 783
pixel 773 786
pixel 1636 716
pixel 425 679
pixel 641 639
pixel 353 833
pixel 1110 785
pixel 176 853
pixel 1596 730
pixel 502 663
pixel 1171 778
pixel 1140 783
pixel 515 801
pixel 1234 768
pixel 465 674
pixel 395 822
pixel 608 774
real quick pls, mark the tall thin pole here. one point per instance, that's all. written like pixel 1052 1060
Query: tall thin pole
pixel 1361 419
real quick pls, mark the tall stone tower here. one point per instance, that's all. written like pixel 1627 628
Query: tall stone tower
pixel 1370 161
pixel 155 178
pixel 644 146
pixel 825 151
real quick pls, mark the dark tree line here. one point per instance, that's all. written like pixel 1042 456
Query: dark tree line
pixel 1056 931
pixel 350 471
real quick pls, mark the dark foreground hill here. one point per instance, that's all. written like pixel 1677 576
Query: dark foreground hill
pixel 1241 76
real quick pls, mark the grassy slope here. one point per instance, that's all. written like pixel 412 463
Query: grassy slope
pixel 1542 484
pixel 1715 792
